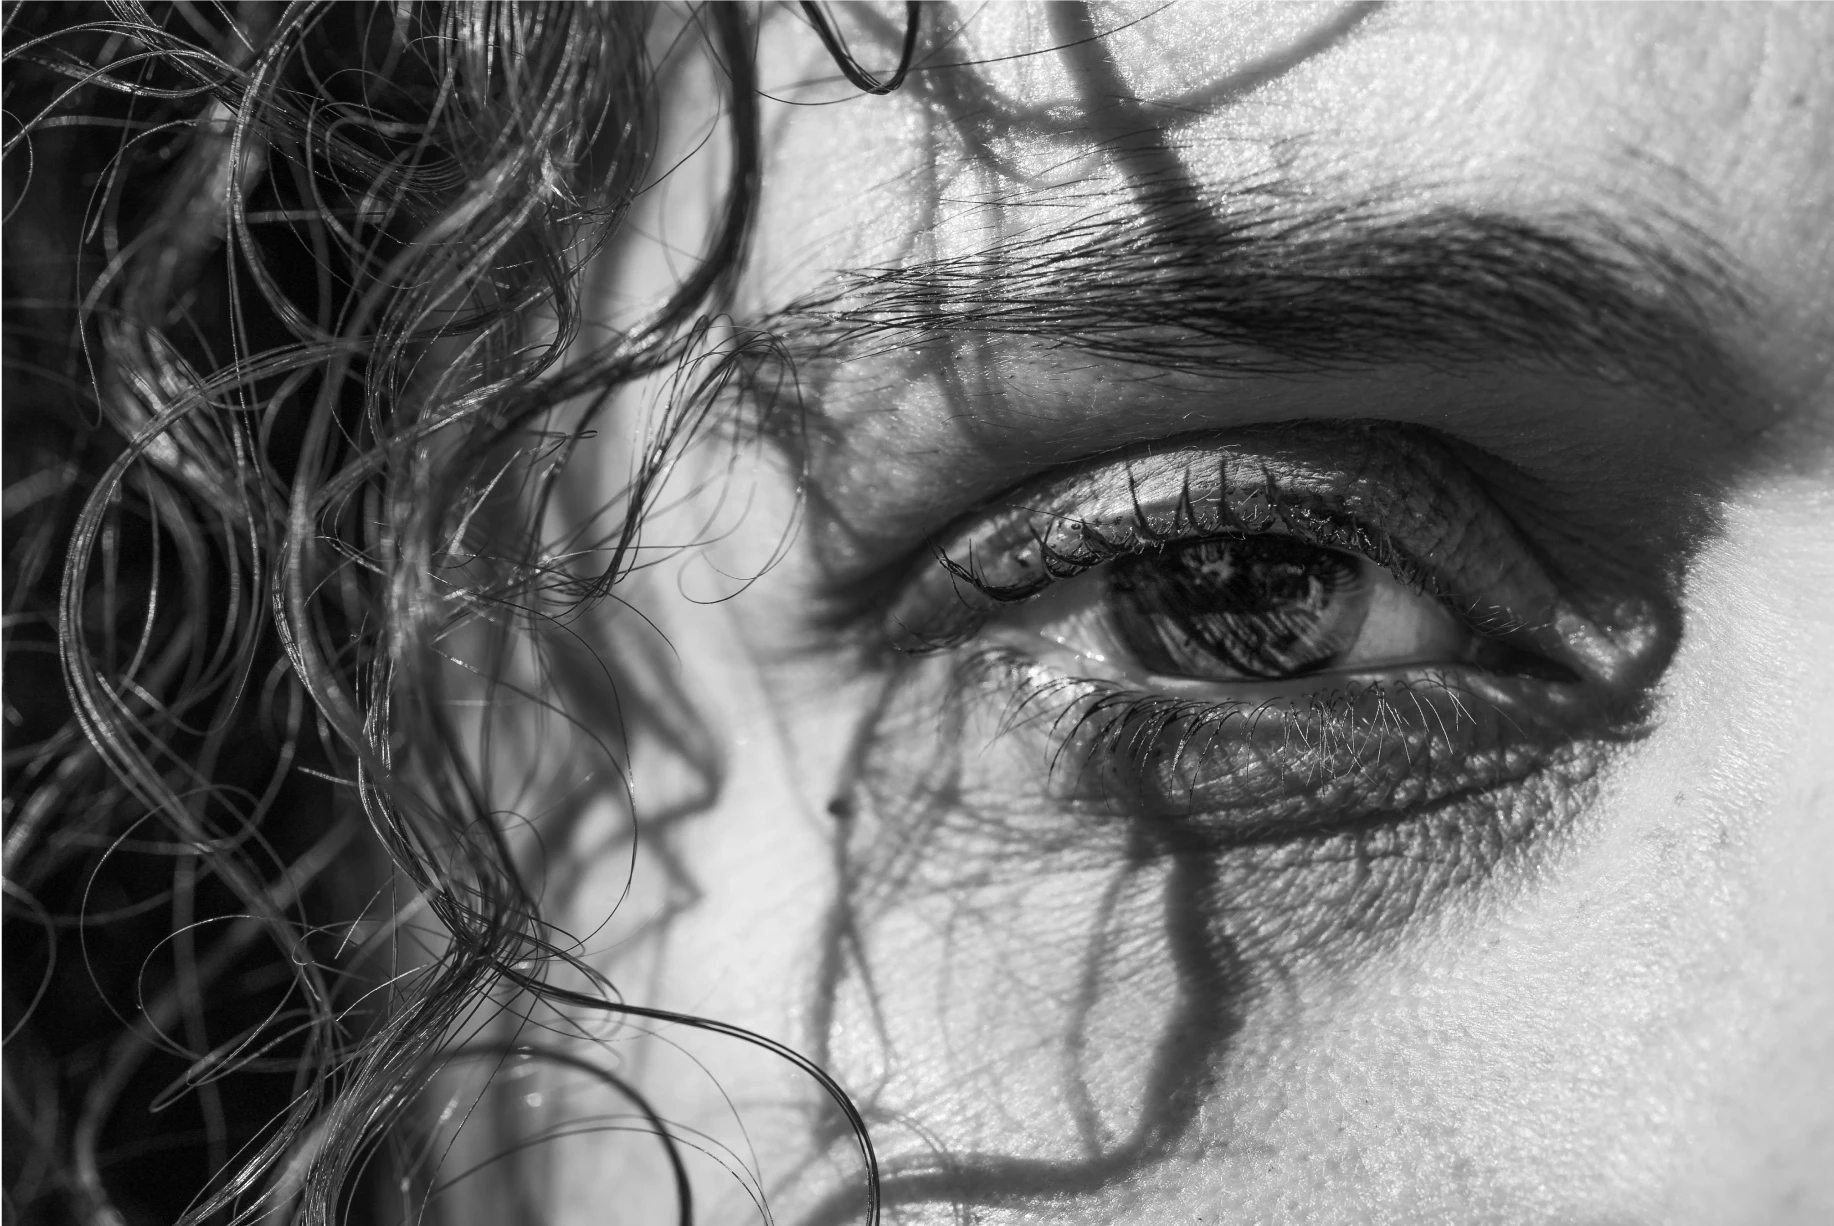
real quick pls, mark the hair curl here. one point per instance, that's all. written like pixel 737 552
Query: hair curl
pixel 295 361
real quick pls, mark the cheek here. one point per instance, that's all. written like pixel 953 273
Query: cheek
pixel 1630 1027
pixel 1035 1018
pixel 1758 787
pixel 1047 994
pixel 1635 1028
pixel 1642 1034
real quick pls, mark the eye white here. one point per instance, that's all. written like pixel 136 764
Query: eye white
pixel 1401 627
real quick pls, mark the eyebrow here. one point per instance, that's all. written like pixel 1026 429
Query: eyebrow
pixel 1279 286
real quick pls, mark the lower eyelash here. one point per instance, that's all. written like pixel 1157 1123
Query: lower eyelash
pixel 1244 770
pixel 1342 813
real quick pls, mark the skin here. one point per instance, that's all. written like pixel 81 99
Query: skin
pixel 1629 1021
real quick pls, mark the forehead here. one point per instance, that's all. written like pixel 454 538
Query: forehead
pixel 1715 119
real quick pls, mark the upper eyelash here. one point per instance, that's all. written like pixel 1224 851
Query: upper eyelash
pixel 1404 504
pixel 1345 535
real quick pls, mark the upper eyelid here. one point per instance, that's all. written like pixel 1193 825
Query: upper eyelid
pixel 1285 509
pixel 1393 495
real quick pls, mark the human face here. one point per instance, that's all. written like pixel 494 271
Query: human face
pixel 1514 908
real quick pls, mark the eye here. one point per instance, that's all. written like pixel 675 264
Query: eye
pixel 1171 729
pixel 1305 631
pixel 1237 609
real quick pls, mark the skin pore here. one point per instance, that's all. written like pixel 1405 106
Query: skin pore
pixel 1569 964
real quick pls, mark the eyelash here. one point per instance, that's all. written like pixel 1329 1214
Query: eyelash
pixel 1144 754
pixel 1143 540
pixel 1255 764
pixel 1114 720
pixel 1306 522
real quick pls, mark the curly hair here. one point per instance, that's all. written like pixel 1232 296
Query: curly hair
pixel 295 361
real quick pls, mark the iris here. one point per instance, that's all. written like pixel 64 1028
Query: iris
pixel 1263 608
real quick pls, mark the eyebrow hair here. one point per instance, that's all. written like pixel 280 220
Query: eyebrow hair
pixel 1280 286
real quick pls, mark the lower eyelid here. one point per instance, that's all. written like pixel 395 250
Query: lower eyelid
pixel 1326 833
pixel 1270 765
pixel 1334 896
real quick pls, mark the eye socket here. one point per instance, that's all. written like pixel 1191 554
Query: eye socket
pixel 1239 609
pixel 1287 632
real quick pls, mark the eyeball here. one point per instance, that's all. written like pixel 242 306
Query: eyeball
pixel 1240 609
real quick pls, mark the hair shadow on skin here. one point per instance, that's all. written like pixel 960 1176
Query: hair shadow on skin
pixel 1194 1034
pixel 1189 1048
pixel 1131 128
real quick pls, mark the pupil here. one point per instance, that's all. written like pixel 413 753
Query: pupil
pixel 1260 608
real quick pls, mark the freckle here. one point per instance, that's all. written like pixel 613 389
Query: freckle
pixel 841 808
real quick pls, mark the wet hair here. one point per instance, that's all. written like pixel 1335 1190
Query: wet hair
pixel 295 594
